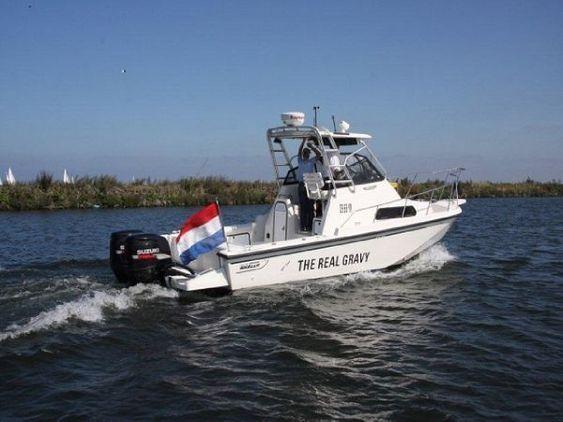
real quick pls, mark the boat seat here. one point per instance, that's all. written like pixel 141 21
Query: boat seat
pixel 314 184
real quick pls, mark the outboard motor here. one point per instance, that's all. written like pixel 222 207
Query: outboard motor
pixel 117 258
pixel 144 257
pixel 148 256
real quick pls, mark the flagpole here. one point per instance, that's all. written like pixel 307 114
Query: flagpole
pixel 222 225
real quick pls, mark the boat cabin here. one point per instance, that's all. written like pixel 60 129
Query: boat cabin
pixel 347 176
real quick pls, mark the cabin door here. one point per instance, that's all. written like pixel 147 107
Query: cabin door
pixel 280 222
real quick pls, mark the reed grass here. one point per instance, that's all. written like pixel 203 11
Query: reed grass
pixel 470 189
pixel 44 193
pixel 107 192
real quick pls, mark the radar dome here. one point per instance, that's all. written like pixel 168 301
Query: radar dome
pixel 293 118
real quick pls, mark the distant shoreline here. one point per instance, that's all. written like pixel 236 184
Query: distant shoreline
pixel 107 192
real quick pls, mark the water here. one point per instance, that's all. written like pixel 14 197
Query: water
pixel 472 328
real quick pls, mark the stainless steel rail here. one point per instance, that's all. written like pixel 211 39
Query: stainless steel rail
pixel 451 180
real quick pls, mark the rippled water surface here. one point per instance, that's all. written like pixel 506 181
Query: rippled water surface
pixel 470 329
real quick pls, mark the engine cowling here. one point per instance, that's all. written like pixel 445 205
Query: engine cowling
pixel 144 258
pixel 117 258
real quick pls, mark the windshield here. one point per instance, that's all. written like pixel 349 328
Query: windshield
pixel 361 169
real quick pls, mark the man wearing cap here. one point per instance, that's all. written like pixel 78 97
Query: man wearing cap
pixel 306 165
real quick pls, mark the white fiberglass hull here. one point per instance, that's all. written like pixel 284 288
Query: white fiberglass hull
pixel 360 253
pixel 364 255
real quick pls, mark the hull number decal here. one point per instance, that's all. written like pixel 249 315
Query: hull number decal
pixel 332 261
pixel 345 208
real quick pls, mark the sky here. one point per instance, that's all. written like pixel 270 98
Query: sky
pixel 477 84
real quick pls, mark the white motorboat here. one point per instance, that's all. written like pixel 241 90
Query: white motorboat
pixel 361 223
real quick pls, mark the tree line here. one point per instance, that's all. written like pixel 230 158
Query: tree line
pixel 106 191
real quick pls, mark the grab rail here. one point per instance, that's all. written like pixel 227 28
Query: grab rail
pixel 312 131
pixel 455 173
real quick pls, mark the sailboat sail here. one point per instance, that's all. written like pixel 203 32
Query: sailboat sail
pixel 67 178
pixel 10 179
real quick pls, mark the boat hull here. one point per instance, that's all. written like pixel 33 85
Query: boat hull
pixel 380 251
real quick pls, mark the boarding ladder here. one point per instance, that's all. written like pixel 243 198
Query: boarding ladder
pixel 280 158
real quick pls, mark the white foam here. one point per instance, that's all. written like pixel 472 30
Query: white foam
pixel 89 307
pixel 432 259
pixel 81 280
pixel 30 289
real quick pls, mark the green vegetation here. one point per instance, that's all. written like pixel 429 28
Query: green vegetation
pixel 469 189
pixel 107 192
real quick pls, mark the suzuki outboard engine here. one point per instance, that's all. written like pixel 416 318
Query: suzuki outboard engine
pixel 144 257
pixel 117 258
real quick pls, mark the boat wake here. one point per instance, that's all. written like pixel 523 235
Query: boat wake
pixel 432 259
pixel 89 307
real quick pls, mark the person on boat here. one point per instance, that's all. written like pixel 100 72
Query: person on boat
pixel 335 164
pixel 306 165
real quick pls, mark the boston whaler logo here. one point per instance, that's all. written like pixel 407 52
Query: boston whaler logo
pixel 252 266
pixel 332 261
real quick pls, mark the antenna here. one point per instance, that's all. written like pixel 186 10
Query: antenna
pixel 201 168
pixel 316 109
pixel 333 123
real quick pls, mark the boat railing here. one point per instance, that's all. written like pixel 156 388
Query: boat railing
pixel 447 189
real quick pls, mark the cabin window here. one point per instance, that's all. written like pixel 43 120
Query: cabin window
pixel 362 170
pixel 343 141
pixel 326 142
pixel 395 212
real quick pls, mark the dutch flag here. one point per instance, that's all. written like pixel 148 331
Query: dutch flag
pixel 202 233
